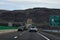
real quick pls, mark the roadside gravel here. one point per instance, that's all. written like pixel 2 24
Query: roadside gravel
pixel 6 31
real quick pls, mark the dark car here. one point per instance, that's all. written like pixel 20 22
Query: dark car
pixel 21 28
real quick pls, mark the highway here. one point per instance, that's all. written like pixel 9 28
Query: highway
pixel 26 35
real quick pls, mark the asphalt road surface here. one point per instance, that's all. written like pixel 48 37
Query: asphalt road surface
pixel 26 35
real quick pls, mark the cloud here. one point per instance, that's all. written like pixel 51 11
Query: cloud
pixel 36 1
pixel 19 0
pixel 24 4
pixel 2 3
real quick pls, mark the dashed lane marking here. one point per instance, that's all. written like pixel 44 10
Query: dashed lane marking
pixel 16 37
pixel 20 35
pixel 23 33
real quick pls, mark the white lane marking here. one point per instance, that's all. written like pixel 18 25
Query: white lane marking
pixel 43 36
pixel 20 34
pixel 23 33
pixel 16 37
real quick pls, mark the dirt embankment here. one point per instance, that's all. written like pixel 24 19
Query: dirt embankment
pixel 6 31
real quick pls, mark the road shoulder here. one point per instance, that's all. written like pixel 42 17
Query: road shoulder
pixel 7 31
pixel 50 36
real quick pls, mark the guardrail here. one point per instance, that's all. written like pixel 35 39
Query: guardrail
pixel 57 31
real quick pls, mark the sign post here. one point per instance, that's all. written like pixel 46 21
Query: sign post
pixel 55 21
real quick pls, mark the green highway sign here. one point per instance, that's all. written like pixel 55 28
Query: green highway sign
pixel 54 20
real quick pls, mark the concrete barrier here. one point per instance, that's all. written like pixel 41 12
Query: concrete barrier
pixel 56 31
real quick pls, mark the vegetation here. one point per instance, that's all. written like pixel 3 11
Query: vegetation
pixel 38 15
pixel 7 27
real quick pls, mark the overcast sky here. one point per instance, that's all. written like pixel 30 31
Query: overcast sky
pixel 25 4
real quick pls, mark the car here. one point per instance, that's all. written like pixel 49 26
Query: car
pixel 33 29
pixel 21 28
pixel 25 28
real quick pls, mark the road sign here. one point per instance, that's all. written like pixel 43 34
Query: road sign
pixel 55 20
pixel 29 21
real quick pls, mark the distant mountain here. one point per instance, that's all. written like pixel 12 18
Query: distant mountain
pixel 39 15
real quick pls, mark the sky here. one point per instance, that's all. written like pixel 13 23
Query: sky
pixel 25 4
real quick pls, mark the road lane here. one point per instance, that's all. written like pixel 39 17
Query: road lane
pixel 21 36
pixel 25 35
pixel 11 36
pixel 31 36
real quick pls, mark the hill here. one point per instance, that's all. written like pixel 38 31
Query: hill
pixel 38 15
